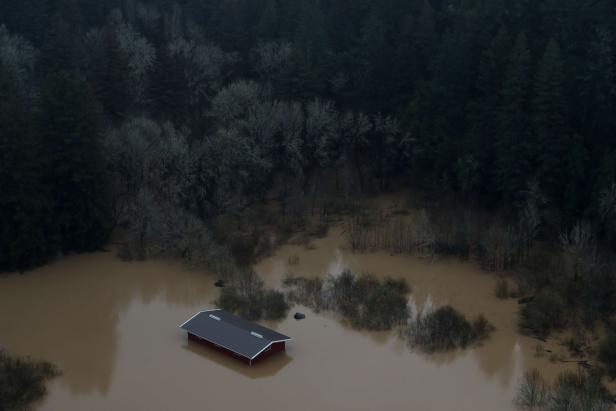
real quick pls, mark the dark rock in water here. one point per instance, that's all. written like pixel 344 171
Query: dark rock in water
pixel 526 300
pixel 220 283
pixel 584 364
pixel 299 316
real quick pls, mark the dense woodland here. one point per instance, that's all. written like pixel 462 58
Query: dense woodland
pixel 162 116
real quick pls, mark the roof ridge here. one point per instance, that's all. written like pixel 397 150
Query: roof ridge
pixel 259 329
pixel 250 332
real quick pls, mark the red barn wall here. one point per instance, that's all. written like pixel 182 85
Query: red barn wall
pixel 273 349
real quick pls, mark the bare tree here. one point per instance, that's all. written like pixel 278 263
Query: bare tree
pixel 322 130
pixel 141 58
pixel 533 392
pixel 579 247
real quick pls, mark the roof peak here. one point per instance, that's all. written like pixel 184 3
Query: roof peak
pixel 232 332
pixel 252 328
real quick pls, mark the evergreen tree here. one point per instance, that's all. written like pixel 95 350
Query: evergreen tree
pixel 514 154
pixel 548 119
pixel 68 126
pixel 424 40
pixel 108 73
pixel 311 40
pixel 484 110
pixel 599 90
pixel 25 239
pixel 267 28
pixel 375 63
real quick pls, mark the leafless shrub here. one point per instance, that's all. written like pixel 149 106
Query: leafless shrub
pixel 246 295
pixel 533 392
pixel 572 391
pixel 607 202
pixel 365 301
pixel 160 229
pixel 502 288
pixel 579 248
pixel 446 329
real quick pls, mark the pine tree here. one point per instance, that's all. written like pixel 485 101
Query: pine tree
pixel 108 73
pixel 311 40
pixel 599 90
pixel 24 204
pixel 375 63
pixel 424 40
pixel 267 28
pixel 548 119
pixel 484 110
pixel 68 126
pixel 514 160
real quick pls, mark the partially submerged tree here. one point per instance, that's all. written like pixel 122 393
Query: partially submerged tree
pixel 22 381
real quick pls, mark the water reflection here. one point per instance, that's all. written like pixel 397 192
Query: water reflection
pixel 261 369
pixel 68 312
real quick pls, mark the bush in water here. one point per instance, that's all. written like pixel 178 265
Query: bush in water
pixel 247 297
pixel 22 381
pixel 545 313
pixel 446 329
pixel 533 392
pixel 365 301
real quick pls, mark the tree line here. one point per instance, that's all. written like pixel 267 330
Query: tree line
pixel 160 116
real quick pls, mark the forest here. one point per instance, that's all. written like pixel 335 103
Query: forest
pixel 163 121
pixel 163 116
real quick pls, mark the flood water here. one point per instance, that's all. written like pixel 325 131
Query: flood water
pixel 111 327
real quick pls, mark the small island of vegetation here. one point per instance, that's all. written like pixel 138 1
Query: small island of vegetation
pixel 22 381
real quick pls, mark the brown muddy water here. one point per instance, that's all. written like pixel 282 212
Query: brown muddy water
pixel 111 326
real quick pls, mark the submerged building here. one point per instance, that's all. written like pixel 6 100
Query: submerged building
pixel 235 336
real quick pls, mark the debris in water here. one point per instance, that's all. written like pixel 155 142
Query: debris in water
pixel 526 300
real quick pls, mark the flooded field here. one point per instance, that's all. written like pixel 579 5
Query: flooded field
pixel 111 327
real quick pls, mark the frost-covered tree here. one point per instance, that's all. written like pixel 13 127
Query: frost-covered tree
pixel 203 67
pixel 141 56
pixel 144 153
pixel 292 129
pixel 234 101
pixel 18 56
pixel 322 131
pixel 161 229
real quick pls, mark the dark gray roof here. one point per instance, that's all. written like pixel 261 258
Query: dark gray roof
pixel 232 332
